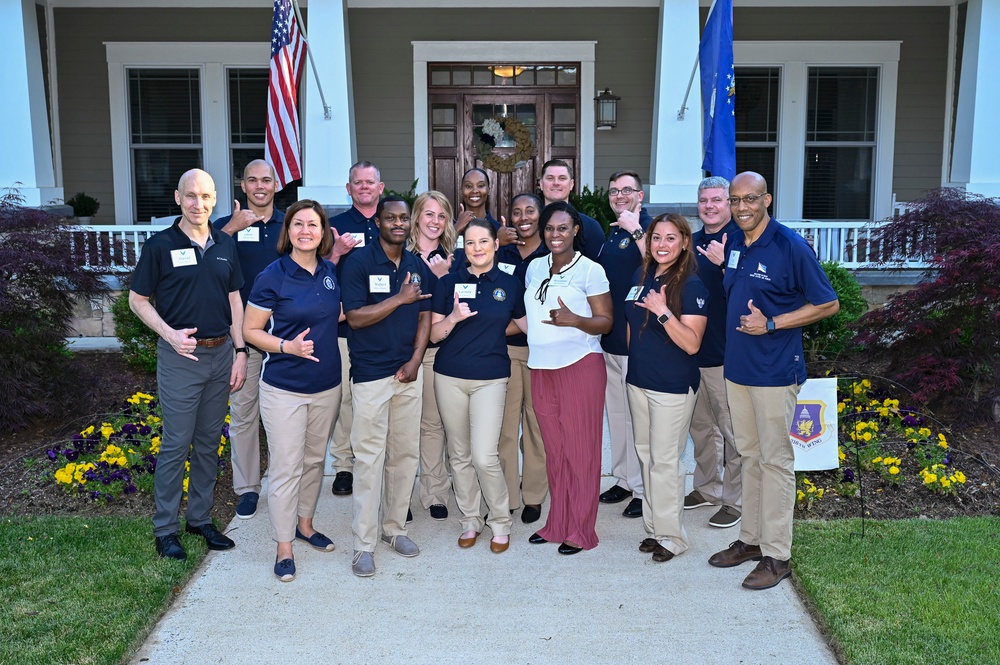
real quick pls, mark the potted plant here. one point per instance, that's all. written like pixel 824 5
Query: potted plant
pixel 84 207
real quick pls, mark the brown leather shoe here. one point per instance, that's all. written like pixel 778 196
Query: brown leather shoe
pixel 661 554
pixel 498 548
pixel 647 545
pixel 768 573
pixel 467 542
pixel 738 552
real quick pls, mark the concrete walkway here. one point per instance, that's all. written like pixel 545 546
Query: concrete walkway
pixel 449 605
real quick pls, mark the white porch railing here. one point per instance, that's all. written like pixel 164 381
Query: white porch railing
pixel 850 244
pixel 116 248
pixel 110 249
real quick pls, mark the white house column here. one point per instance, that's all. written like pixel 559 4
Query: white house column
pixel 329 147
pixel 977 142
pixel 675 163
pixel 28 151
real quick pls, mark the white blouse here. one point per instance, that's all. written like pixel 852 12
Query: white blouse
pixel 553 347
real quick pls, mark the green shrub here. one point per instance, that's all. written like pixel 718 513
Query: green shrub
pixel 83 205
pixel 409 195
pixel 826 339
pixel 595 204
pixel 137 340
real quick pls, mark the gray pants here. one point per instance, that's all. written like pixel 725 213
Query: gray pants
pixel 193 397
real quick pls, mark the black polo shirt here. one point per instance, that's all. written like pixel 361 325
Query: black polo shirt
pixel 364 231
pixel 713 345
pixel 257 247
pixel 654 361
pixel 620 257
pixel 191 289
pixel 368 277
pixel 477 348
pixel 509 261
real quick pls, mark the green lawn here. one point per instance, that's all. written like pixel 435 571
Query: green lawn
pixel 83 590
pixel 910 592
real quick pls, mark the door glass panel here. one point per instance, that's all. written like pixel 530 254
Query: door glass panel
pixel 443 114
pixel 482 76
pixel 566 76
pixel 563 125
pixel 461 76
pixel 440 76
pixel 563 114
pixel 526 77
pixel 545 76
pixel 444 138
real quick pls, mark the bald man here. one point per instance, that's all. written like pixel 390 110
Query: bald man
pixel 255 229
pixel 193 274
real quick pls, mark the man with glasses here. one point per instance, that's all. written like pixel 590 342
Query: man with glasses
pixel 620 256
pixel 390 322
pixel 774 286
pixel 717 464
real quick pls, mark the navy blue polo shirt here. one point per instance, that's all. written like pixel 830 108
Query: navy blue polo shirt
pixel 509 259
pixel 257 247
pixel 593 237
pixel 780 273
pixel 432 279
pixel 369 277
pixel 190 288
pixel 477 347
pixel 354 222
pixel 620 257
pixel 713 345
pixel 298 300
pixel 654 361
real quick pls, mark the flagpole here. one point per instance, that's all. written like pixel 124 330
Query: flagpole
pixel 687 93
pixel 327 114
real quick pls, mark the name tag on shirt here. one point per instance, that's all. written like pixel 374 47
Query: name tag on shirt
pixel 559 280
pixel 249 234
pixel 183 257
pixel 465 290
pixel 506 267
pixel 359 240
pixel 378 283
pixel 633 293
pixel 734 259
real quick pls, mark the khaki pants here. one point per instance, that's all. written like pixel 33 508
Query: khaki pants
pixel 762 418
pixel 385 440
pixel 519 423
pixel 717 464
pixel 244 428
pixel 473 413
pixel 434 483
pixel 297 425
pixel 624 460
pixel 661 428
pixel 340 432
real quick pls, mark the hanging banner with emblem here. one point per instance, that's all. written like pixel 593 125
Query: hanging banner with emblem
pixel 814 426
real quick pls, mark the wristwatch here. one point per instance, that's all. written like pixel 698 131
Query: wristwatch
pixel 663 318
pixel 638 235
pixel 770 326
pixel 242 349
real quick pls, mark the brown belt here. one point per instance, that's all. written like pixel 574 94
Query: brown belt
pixel 212 342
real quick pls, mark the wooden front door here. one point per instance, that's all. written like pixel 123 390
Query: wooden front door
pixel 550 120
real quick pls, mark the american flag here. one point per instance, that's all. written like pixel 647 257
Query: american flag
pixel 281 148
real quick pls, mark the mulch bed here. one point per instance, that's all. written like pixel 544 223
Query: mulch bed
pixel 27 488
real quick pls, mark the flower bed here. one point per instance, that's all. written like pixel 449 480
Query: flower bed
pixel 118 457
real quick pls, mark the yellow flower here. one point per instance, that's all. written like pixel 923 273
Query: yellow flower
pixel 882 411
pixel 186 479
pixel 894 470
pixel 88 431
pixel 861 426
pixel 840 454
pixel 945 483
pixel 876 460
pixel 840 407
pixel 924 431
pixel 866 383
pixel 959 477
pixel 819 494
pixel 64 475
pixel 929 479
pixel 867 436
pixel 800 495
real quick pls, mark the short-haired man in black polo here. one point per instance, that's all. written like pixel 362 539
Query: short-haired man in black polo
pixel 390 322
pixel 357 229
pixel 193 273
pixel 556 183
pixel 255 229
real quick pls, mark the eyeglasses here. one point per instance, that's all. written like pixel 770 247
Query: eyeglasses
pixel 749 199
pixel 626 191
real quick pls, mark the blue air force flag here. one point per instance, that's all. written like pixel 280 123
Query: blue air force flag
pixel 718 91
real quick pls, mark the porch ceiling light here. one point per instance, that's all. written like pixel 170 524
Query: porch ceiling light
pixel 606 109
pixel 506 71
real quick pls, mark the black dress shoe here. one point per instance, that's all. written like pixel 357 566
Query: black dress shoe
pixel 535 539
pixel 565 548
pixel 633 509
pixel 214 539
pixel 615 494
pixel 343 483
pixel 439 512
pixel 169 547
pixel 409 516
pixel 531 513
pixel 661 554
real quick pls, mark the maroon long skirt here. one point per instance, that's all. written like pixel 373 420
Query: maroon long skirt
pixel 569 405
